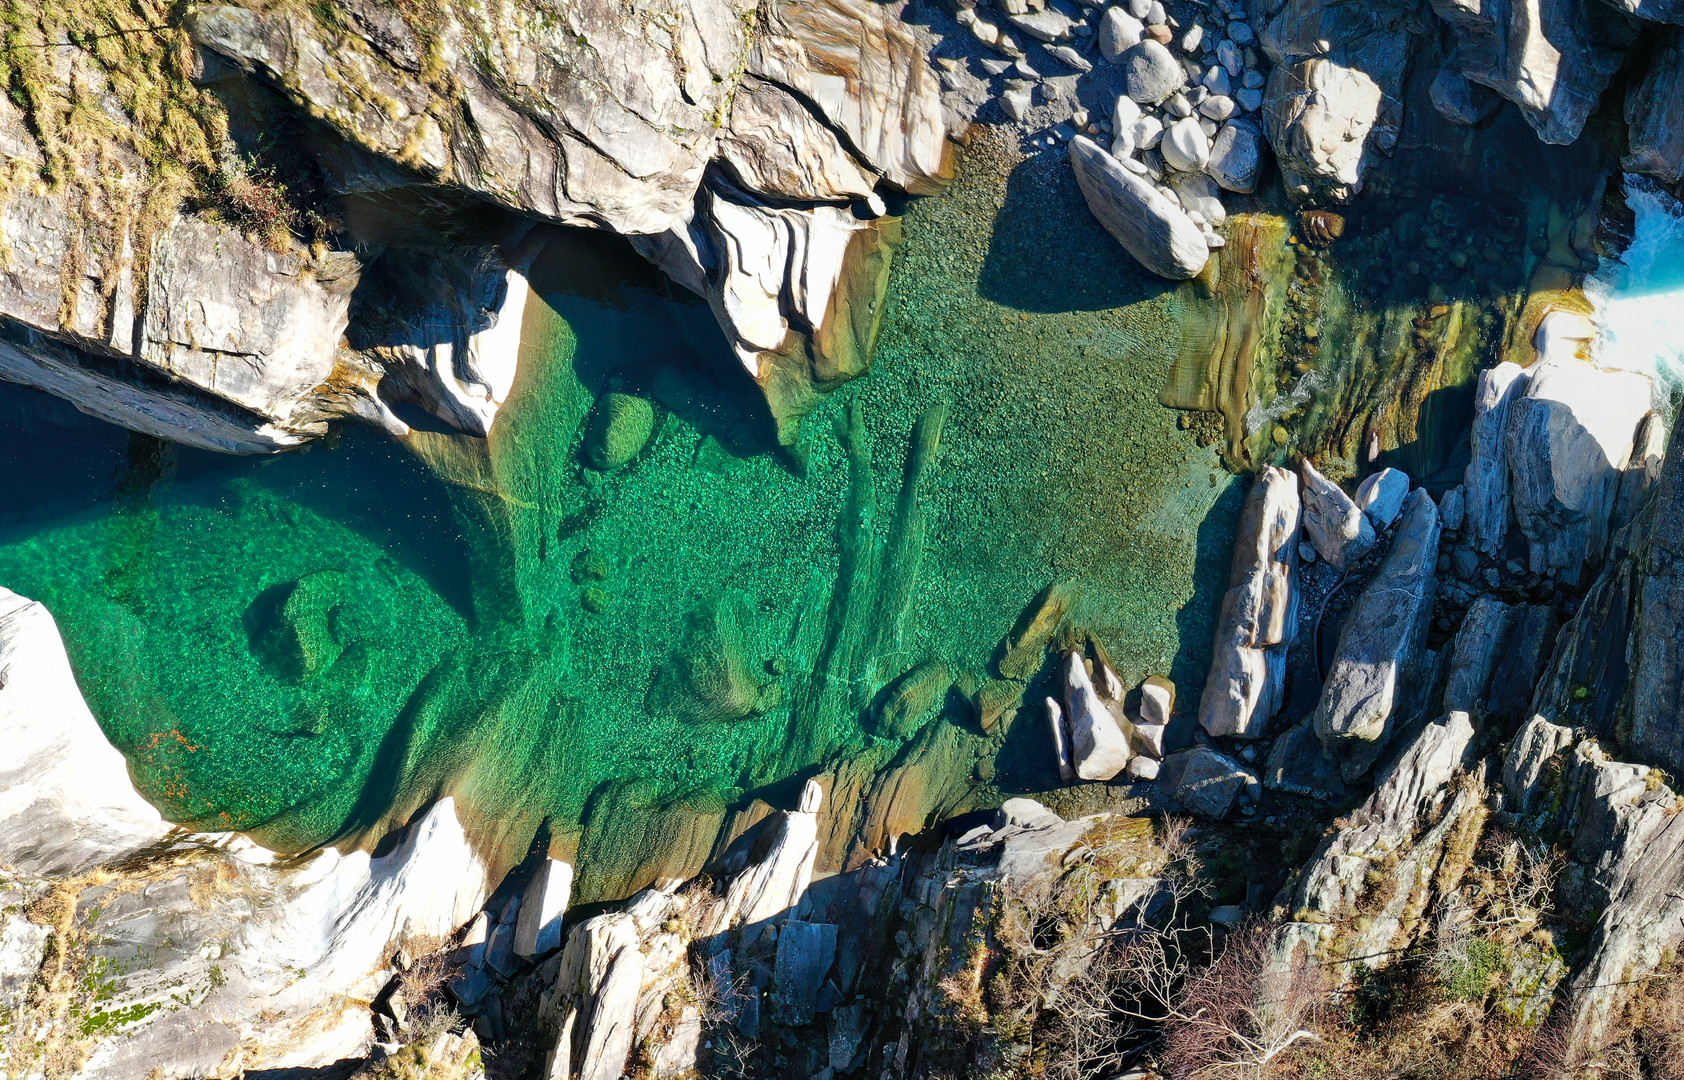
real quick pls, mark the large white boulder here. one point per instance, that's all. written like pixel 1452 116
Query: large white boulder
pixel 1148 225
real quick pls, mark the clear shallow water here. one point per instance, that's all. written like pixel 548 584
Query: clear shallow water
pixel 313 645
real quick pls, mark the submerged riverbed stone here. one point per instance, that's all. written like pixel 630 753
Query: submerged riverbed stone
pixel 1149 226
pixel 291 631
pixel 706 676
pixel 620 427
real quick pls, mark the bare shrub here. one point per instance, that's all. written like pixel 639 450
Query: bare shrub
pixel 1164 981
pixel 1237 1016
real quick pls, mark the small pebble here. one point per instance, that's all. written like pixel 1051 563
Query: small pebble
pixel 1307 552
pixel 1192 38
pixel 1217 107
pixel 1140 8
pixel 1178 106
pixel 1228 55
pixel 1148 132
pixel 1249 100
pixel 1069 57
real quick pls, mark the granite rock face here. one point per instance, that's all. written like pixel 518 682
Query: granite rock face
pixel 1654 112
pixel 1616 668
pixel 855 970
pixel 65 795
pixel 1259 612
pixel 1552 58
pixel 1334 98
pixel 277 958
pixel 184 328
pixel 1485 482
pixel 1379 652
pixel 1619 830
pixel 601 116
pixel 446 332
pixel 604 126
pixel 1408 847
pixel 1567 440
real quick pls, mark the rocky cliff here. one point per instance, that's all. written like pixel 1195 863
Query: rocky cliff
pixel 1419 818
pixel 176 272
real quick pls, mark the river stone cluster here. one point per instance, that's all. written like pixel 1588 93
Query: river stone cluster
pixel 1182 129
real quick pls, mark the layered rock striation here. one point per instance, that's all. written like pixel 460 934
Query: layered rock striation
pixel 225 306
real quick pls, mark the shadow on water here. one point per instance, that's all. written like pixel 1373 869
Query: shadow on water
pixel 640 333
pixel 1048 253
pixel 68 468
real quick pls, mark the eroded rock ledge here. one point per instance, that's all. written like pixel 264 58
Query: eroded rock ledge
pixel 240 302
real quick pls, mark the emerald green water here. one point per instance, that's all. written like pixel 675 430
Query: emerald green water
pixel 311 646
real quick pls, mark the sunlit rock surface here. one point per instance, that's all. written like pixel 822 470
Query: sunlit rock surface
pixel 1259 612
pixel 1375 667
pixel 65 794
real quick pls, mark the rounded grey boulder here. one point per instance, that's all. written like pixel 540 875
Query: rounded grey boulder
pixel 1151 72
pixel 1236 156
